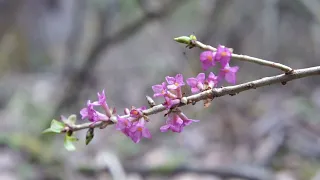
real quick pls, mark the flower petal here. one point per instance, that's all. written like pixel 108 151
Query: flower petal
pixel 234 69
pixel 146 133
pixel 201 77
pixel 231 77
pixel 179 78
pixel 192 82
pixel 206 65
pixel 172 86
pixel 84 113
pixel 136 136
pixel 194 90
pixel 164 128
pixel 170 80
pixel 157 88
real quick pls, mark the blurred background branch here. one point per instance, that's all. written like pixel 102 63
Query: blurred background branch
pixel 56 54
pixel 235 171
pixel 80 78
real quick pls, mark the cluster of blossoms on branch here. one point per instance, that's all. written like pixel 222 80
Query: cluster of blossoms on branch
pixel 204 88
pixel 133 123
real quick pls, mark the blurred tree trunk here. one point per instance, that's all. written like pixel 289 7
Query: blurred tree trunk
pixel 8 14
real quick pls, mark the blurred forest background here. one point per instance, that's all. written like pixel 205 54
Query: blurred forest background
pixel 56 54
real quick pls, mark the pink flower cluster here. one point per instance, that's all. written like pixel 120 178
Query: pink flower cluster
pixel 93 115
pixel 172 94
pixel 133 122
pixel 176 122
pixel 133 125
pixel 222 55
pixel 200 83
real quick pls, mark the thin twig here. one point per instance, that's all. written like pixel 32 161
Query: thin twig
pixel 232 90
pixel 240 57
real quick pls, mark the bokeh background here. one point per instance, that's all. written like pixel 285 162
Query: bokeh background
pixel 56 54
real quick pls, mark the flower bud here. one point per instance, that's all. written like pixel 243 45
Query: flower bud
pixel 183 39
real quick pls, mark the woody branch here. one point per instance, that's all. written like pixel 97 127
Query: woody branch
pixel 218 92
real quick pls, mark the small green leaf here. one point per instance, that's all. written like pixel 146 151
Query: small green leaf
pixel 183 39
pixel 72 119
pixel 68 142
pixel 47 131
pixel 89 135
pixel 55 127
pixel 69 145
pixel 73 138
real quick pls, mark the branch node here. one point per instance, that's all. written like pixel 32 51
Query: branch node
pixel 184 100
pixel 105 124
pixel 251 86
pixel 290 72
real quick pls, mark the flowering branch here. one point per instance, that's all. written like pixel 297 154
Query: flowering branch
pixel 194 43
pixel 218 92
pixel 133 122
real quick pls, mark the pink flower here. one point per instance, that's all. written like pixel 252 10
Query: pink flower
pixel 139 130
pixel 123 125
pixel 212 80
pixel 207 59
pixel 90 113
pixel 173 123
pixel 159 89
pixel 176 122
pixel 196 84
pixel 169 103
pixel 229 73
pixel 223 55
pixel 102 102
pixel 175 82
pixel 137 112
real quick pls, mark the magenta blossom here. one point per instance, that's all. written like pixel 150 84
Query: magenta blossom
pixel 176 122
pixel 169 103
pixel 139 130
pixel 137 112
pixel 223 55
pixel 229 73
pixel 175 82
pixel 173 123
pixel 123 125
pixel 102 102
pixel 90 113
pixel 207 59
pixel 196 84
pixel 159 89
pixel 212 80
pixel 101 97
